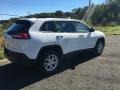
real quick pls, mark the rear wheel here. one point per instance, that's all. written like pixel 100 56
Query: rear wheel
pixel 49 62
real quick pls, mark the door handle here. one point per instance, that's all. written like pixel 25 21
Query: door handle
pixel 59 37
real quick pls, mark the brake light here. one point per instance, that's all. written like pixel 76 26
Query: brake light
pixel 21 36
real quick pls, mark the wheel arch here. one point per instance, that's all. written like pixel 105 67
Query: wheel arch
pixel 101 39
pixel 50 47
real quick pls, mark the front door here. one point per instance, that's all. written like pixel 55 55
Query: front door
pixel 84 36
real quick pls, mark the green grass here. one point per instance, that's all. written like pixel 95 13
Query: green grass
pixel 1 54
pixel 109 30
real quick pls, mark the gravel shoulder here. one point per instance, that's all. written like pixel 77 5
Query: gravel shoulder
pixel 90 73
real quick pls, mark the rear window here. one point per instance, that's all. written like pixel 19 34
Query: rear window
pixel 20 26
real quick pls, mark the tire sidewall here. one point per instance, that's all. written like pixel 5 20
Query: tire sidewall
pixel 96 48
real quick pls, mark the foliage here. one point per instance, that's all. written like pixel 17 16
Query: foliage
pixel 104 14
pixel 2 54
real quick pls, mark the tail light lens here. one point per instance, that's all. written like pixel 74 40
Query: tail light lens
pixel 21 36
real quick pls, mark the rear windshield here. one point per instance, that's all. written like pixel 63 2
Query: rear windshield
pixel 20 26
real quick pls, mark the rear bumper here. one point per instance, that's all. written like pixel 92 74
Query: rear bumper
pixel 18 57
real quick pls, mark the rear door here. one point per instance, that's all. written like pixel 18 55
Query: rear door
pixel 56 33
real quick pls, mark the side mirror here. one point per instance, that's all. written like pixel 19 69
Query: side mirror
pixel 92 29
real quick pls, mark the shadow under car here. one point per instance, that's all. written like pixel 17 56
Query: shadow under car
pixel 14 77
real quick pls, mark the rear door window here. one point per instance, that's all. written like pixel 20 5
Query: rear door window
pixel 48 26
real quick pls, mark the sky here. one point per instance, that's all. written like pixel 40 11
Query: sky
pixel 24 7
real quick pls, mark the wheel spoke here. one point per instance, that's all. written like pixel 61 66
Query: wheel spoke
pixel 51 62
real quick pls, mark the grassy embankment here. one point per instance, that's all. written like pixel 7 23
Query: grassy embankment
pixel 1 54
pixel 107 30
pixel 1 45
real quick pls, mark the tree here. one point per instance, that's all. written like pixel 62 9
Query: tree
pixel 59 13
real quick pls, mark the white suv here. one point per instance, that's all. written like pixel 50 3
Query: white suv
pixel 45 41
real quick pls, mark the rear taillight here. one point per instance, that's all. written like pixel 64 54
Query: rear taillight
pixel 21 36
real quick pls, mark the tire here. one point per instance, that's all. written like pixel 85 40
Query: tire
pixel 99 47
pixel 49 62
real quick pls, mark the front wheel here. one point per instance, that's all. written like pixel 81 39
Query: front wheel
pixel 99 47
pixel 49 62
